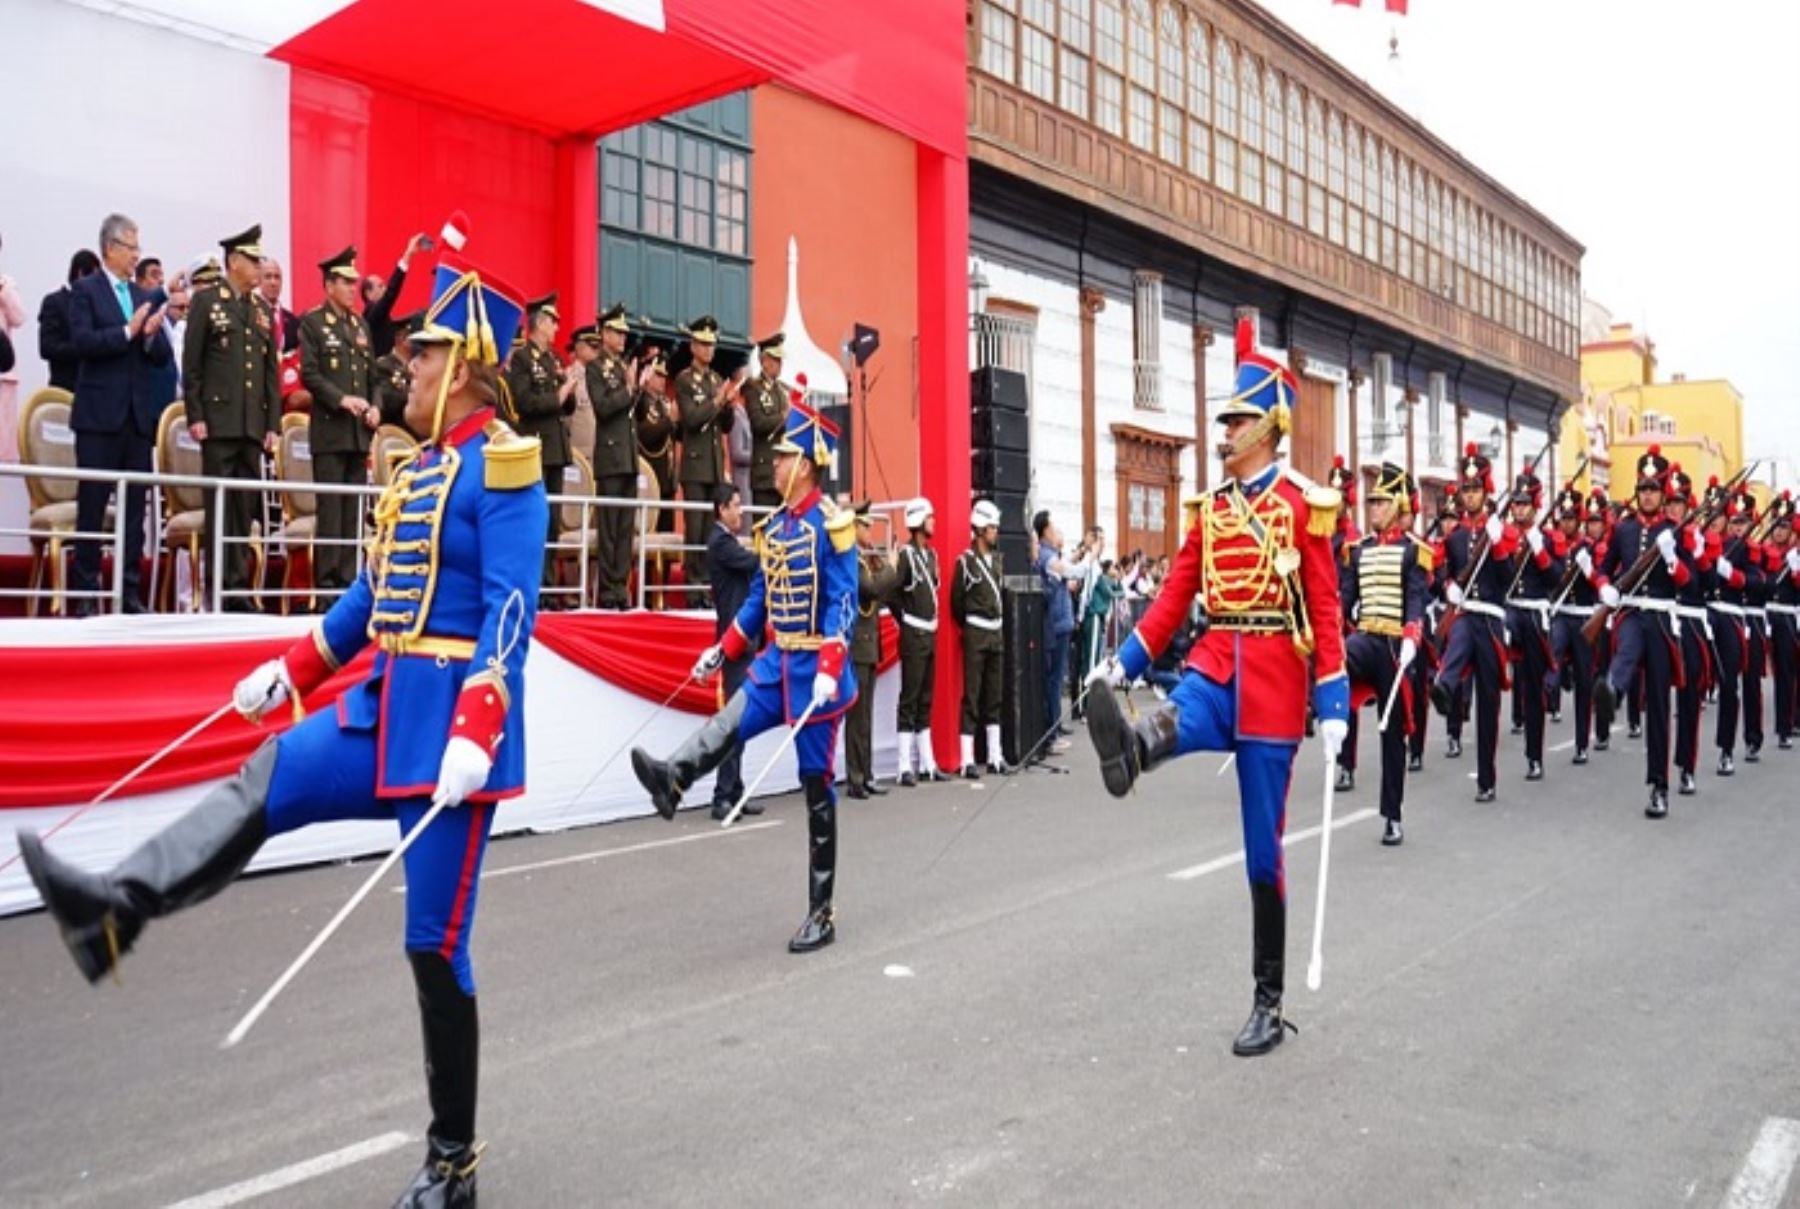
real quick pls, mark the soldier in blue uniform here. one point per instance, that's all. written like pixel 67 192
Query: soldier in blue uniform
pixel 804 597
pixel 448 601
pixel 1536 575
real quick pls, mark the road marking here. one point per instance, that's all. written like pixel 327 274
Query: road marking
pixel 1293 837
pixel 1763 1179
pixel 1564 746
pixel 711 833
pixel 287 1177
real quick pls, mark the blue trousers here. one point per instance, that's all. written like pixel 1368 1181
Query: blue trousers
pixel 1206 714
pixel 325 774
pixel 815 745
pixel 1056 677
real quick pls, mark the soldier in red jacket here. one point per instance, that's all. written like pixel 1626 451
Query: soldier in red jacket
pixel 1258 552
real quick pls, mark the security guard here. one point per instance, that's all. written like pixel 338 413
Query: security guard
pixel 654 418
pixel 1384 596
pixel 337 364
pixel 976 605
pixel 916 608
pixel 541 394
pixel 612 391
pixel 701 411
pixel 231 381
pixel 447 601
pixel 876 577
pixel 804 597
pixel 765 406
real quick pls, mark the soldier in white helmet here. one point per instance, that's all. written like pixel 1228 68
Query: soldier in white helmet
pixel 916 602
pixel 975 603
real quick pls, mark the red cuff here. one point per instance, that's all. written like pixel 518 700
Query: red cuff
pixel 1737 579
pixel 734 645
pixel 1679 573
pixel 1542 558
pixel 831 658
pixel 1411 632
pixel 308 663
pixel 480 714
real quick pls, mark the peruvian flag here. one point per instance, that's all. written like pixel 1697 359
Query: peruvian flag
pixel 1393 6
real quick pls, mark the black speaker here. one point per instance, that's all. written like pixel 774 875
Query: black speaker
pixel 1002 389
pixel 995 428
pixel 1015 532
pixel 995 471
pixel 1022 678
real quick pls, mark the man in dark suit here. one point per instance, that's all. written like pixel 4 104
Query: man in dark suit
pixel 54 344
pixel 732 567
pixel 117 335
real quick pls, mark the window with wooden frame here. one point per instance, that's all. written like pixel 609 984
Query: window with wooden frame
pixel 1109 66
pixel 1037 48
pixel 1199 100
pixel 1142 48
pixel 1334 179
pixel 1250 128
pixel 1000 39
pixel 1225 116
pixel 1077 35
pixel 1316 179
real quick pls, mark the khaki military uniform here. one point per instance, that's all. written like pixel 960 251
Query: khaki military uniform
pixel 766 406
pixel 337 361
pixel 393 382
pixel 654 417
pixel 610 388
pixel 534 376
pixel 876 580
pixel 703 420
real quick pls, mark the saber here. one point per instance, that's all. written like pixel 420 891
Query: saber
pixel 1315 969
pixel 786 741
pixel 1387 710
pixel 623 747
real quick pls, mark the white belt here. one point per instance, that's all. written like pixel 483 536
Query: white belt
pixel 1691 612
pixel 1757 614
pixel 991 624
pixel 1653 604
pixel 1536 606
pixel 1785 610
pixel 1569 610
pixel 1725 607
pixel 928 624
pixel 1484 608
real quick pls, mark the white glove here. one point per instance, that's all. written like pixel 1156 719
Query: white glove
pixel 1793 560
pixel 1454 594
pixel 1333 731
pixel 262 690
pixel 824 689
pixel 1724 567
pixel 1609 596
pixel 710 661
pixel 1697 542
pixel 1665 542
pixel 1409 651
pixel 464 770
pixel 1496 528
pixel 1109 672
pixel 1585 561
pixel 1534 537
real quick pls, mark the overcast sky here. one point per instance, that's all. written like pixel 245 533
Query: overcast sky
pixel 1663 135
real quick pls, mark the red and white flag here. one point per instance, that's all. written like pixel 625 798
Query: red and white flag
pixel 1393 6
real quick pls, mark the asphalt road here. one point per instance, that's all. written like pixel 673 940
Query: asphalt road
pixel 1546 1000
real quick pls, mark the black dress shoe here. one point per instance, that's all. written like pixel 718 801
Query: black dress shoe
pixel 907 780
pixel 1485 795
pixel 1687 789
pixel 1555 718
pixel 817 932
pixel 656 776
pixel 82 608
pixel 874 790
pixel 1441 698
pixel 1726 767
pixel 1581 756
pixel 971 773
pixel 1415 763
pixel 1534 770
pixel 1602 742
pixel 937 774
pixel 1518 728
pixel 1636 732
pixel 999 770
pixel 134 606
pixel 1659 804
pixel 720 810
pixel 1262 1032
pixel 1453 748
pixel 855 790
pixel 1753 753
pixel 447 1180
pixel 1785 743
pixel 1391 835
pixel 1346 780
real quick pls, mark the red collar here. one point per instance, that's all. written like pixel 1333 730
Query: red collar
pixel 466 428
pixel 805 505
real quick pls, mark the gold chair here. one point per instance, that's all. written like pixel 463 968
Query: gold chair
pixel 45 439
pixel 578 480
pixel 183 508
pixel 390 446
pixel 299 509
pixel 652 549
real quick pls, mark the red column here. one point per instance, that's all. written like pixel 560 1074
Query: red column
pixel 575 245
pixel 943 185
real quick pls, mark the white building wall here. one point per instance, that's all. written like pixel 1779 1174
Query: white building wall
pixel 1055 385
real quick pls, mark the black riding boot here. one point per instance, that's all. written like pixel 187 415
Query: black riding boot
pixel 1128 750
pixel 186 862
pixel 452 1028
pixel 821 824
pixel 1263 1031
pixel 699 754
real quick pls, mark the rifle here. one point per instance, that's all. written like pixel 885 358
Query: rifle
pixel 1640 569
pixel 1543 514
pixel 1482 545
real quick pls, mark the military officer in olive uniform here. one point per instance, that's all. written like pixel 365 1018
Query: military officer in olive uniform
pixel 541 392
pixel 612 391
pixel 337 367
pixel 654 417
pixel 765 406
pixel 975 603
pixel 876 579
pixel 231 376
pixel 393 378
pixel 700 406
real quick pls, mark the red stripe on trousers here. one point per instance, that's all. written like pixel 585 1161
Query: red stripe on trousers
pixel 471 853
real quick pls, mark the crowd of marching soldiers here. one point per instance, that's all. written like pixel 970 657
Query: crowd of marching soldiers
pixel 1676 600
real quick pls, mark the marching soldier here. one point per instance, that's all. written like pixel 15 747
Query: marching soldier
pixel 448 602
pixel 1259 555
pixel 1647 638
pixel 1385 592
pixel 393 380
pixel 337 367
pixel 1573 604
pixel 875 581
pixel 1341 479
pixel 654 418
pixel 975 603
pixel 765 407
pixel 1693 676
pixel 541 394
pixel 230 373
pixel 1781 562
pixel 1756 618
pixel 1731 586
pixel 916 602
pixel 613 392
pixel 701 411
pixel 1536 576
pixel 805 597
pixel 1480 550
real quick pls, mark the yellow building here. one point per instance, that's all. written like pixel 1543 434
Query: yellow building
pixel 1624 410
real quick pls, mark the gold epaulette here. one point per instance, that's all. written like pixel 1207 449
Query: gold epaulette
pixel 1427 559
pixel 1322 503
pixel 513 462
pixel 840 523
pixel 1190 510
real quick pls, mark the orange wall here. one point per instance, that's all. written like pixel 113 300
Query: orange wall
pixel 846 189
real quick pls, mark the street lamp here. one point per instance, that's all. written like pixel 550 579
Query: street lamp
pixel 978 290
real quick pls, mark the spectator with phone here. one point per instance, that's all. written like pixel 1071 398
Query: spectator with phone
pixel 380 296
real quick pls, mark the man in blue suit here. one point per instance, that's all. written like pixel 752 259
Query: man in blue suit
pixel 116 332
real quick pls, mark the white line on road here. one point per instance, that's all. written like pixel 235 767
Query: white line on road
pixel 287 1177
pixel 1564 746
pixel 1237 858
pixel 1763 1179
pixel 710 833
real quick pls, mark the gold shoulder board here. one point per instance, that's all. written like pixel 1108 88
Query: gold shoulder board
pixel 1191 507
pixel 841 525
pixel 512 462
pixel 1426 558
pixel 1322 503
pixel 758 532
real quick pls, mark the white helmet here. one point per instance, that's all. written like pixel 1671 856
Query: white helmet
pixel 917 512
pixel 984 514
